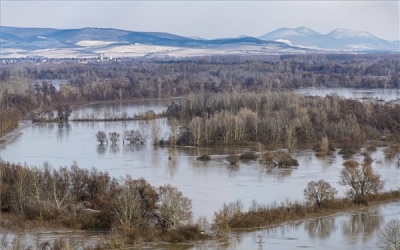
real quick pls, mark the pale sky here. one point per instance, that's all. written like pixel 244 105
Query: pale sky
pixel 207 19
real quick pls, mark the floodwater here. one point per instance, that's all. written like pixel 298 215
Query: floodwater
pixel 375 94
pixel 207 184
pixel 357 229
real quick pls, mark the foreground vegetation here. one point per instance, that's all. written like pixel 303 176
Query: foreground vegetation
pixel 87 199
pixel 133 211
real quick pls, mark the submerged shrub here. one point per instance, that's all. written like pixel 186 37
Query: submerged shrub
pixel 278 159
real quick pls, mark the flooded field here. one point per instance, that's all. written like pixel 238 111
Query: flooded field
pixel 209 184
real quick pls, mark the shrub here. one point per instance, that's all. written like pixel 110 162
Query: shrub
pixel 184 233
pixel 233 159
pixel 278 159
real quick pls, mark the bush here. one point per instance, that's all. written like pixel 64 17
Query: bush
pixel 185 233
pixel 233 159
pixel 278 159
pixel 392 151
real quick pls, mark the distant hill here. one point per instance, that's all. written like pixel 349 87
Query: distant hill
pixel 90 42
pixel 338 39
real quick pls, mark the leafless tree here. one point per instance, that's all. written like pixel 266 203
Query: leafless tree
pixel 196 128
pixel 133 136
pixel 389 237
pixel 319 192
pixel 361 179
pixel 155 133
pixel 114 137
pixel 101 137
pixel 173 207
pixel 128 207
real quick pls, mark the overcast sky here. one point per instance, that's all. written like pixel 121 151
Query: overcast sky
pixel 207 19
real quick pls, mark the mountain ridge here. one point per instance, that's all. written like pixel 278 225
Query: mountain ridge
pixel 92 41
pixel 337 39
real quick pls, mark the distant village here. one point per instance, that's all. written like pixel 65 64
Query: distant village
pixel 38 60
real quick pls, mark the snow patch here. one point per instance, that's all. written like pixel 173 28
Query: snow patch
pixel 90 43
pixel 284 41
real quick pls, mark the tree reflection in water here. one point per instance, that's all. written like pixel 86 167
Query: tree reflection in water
pixel 101 149
pixel 362 225
pixel 320 228
pixel 63 129
pixel 171 157
pixel 279 173
pixel 114 148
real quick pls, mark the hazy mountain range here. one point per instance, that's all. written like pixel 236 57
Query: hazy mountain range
pixel 91 42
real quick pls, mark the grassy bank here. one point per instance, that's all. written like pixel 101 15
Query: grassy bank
pixel 231 215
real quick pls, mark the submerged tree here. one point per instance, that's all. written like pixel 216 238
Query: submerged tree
pixel 361 179
pixel 133 136
pixel 319 192
pixel 114 137
pixel 101 137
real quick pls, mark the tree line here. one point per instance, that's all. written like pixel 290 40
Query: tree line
pixel 284 118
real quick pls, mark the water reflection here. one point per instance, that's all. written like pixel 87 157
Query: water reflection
pixel 114 148
pixel 64 128
pixel 101 149
pixel 279 173
pixel 362 224
pixel 321 228
pixel 172 161
pixel 44 126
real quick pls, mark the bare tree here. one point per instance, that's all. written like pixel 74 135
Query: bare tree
pixel 173 207
pixel 361 179
pixel 133 136
pixel 63 112
pixel 319 192
pixel 196 128
pixel 155 132
pixel 101 137
pixel 114 137
pixel 174 131
pixel 389 237
pixel 128 207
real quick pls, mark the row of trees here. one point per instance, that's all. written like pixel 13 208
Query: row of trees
pixel 360 178
pixel 90 199
pixel 281 117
